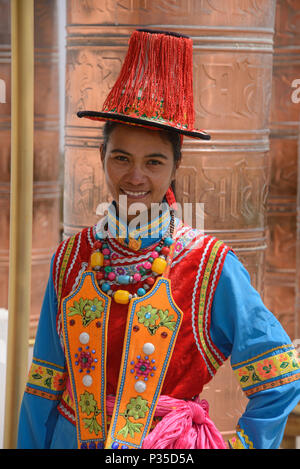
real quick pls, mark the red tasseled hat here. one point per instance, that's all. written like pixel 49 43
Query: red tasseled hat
pixel 155 85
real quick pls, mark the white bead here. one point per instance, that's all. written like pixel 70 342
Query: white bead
pixel 140 386
pixel 87 380
pixel 148 348
pixel 84 338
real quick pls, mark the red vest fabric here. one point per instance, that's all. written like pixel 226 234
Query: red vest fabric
pixel 194 275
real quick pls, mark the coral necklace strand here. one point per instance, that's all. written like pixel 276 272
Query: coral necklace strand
pixel 156 265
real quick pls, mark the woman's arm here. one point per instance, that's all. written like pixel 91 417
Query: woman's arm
pixel 262 357
pixel 46 379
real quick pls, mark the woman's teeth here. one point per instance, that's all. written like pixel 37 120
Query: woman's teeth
pixel 135 194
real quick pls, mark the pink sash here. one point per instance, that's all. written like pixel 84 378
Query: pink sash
pixel 185 425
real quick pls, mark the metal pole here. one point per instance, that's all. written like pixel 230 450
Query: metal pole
pixel 19 295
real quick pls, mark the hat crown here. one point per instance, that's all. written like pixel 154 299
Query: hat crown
pixel 156 79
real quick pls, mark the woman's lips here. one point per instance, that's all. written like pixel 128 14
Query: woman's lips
pixel 135 194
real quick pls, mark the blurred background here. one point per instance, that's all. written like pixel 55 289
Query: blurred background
pixel 247 96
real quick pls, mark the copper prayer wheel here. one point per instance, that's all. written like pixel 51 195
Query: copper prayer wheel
pixel 233 49
pixel 46 193
pixel 280 285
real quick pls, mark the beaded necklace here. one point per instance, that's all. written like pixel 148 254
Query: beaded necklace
pixel 156 265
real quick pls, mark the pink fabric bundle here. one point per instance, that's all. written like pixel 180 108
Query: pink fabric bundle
pixel 185 425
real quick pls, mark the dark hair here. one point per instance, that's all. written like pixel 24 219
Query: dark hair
pixel 171 136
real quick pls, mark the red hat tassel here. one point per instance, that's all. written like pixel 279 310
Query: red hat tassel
pixel 170 197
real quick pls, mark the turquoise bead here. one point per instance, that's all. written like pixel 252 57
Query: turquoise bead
pixel 158 249
pixel 151 259
pixel 168 241
pixel 123 279
pixel 141 292
pixel 105 286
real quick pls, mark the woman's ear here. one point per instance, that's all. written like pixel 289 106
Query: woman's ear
pixel 102 153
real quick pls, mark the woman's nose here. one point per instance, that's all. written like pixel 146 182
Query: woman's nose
pixel 136 175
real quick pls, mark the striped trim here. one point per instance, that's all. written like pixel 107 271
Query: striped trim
pixel 58 264
pixel 214 282
pixel 49 364
pixel 211 372
pixel 268 370
pixel 240 440
pixel 75 254
pixel 119 229
pixel 273 384
pixel 39 393
pixel 89 237
pixel 64 266
pixel 66 411
pixel 46 378
pixel 203 313
pixel 200 323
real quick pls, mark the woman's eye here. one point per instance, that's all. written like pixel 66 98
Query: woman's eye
pixel 121 158
pixel 154 162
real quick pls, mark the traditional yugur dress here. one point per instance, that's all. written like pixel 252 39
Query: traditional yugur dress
pixel 223 316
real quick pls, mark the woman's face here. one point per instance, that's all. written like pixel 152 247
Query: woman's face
pixel 139 164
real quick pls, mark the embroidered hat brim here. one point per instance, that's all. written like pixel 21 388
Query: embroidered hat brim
pixel 146 122
pixel 155 86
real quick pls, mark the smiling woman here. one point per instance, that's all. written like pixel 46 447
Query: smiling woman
pixel 137 320
pixel 139 163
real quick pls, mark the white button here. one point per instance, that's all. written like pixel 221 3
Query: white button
pixel 87 380
pixel 148 348
pixel 140 386
pixel 84 338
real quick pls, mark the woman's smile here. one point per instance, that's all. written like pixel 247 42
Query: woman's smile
pixel 134 194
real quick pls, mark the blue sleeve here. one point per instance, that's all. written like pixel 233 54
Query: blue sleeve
pixel 46 380
pixel 262 356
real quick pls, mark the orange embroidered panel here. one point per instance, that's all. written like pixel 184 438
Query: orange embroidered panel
pixel 85 317
pixel 152 327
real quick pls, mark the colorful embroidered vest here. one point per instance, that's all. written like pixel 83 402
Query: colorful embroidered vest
pixel 196 267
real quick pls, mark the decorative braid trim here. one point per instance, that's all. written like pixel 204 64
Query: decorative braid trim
pixel 210 268
pixel 240 440
pixel 46 379
pixel 268 370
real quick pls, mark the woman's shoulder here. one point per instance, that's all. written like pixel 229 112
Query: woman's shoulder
pixel 72 249
pixel 188 238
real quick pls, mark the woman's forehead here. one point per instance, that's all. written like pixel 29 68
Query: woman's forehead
pixel 134 135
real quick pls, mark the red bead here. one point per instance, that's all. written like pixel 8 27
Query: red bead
pixel 150 281
pixel 99 275
pixel 106 262
pixel 98 324
pixel 165 251
pixel 136 328
pixel 97 245
pixel 164 335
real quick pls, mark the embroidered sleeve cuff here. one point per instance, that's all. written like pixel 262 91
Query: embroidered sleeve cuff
pixel 271 369
pixel 46 380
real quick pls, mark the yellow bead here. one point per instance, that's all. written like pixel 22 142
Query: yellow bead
pixel 97 259
pixel 159 265
pixel 122 297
